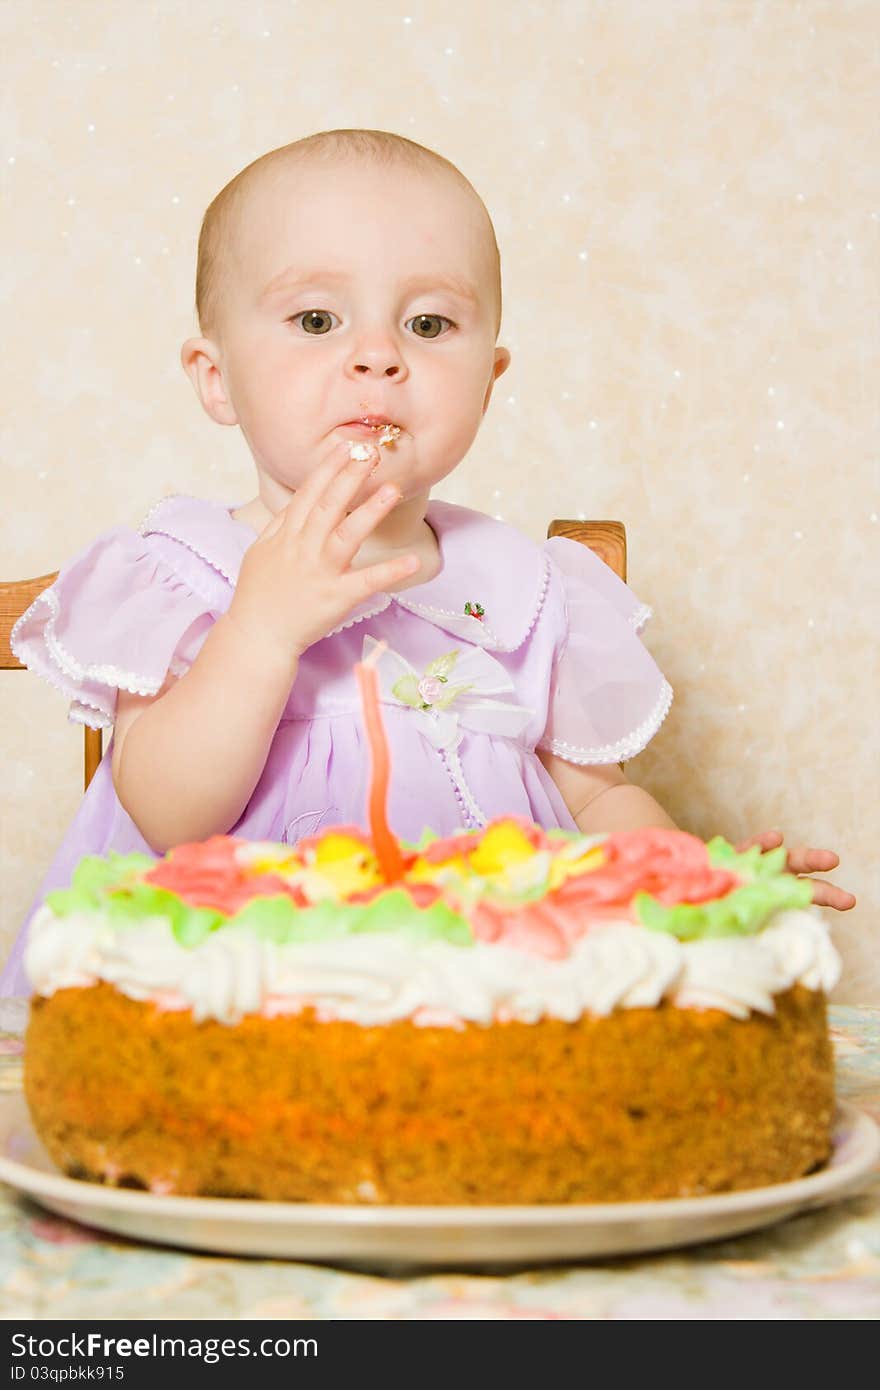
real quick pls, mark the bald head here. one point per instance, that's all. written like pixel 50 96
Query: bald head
pixel 227 225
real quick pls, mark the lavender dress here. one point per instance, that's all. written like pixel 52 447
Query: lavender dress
pixel 553 662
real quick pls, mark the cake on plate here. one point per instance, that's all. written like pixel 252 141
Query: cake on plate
pixel 506 1015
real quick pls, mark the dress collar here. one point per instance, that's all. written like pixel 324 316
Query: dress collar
pixel 485 563
pixel 206 528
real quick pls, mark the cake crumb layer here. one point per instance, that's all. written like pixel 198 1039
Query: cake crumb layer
pixel 646 1103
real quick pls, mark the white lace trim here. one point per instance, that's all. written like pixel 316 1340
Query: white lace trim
pixel 463 793
pixel 624 748
pixel 94 718
pixel 68 664
pixel 478 627
pixel 361 617
pixel 539 602
pixel 83 710
pixel 87 711
pixel 474 628
pixel 146 529
pixel 144 526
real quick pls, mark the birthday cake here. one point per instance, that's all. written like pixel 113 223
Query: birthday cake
pixel 512 1015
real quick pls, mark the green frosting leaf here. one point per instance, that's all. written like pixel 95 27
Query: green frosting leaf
pixel 94 877
pixel 279 919
pixel 394 911
pixel 94 874
pixel 126 901
pixel 742 912
pixel 189 924
pixel 273 919
pixel 749 864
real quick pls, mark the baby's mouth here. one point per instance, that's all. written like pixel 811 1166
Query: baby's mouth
pixel 384 431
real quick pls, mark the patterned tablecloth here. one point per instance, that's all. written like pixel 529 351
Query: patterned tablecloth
pixel 823 1264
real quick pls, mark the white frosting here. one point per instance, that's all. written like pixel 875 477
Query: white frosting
pixel 375 978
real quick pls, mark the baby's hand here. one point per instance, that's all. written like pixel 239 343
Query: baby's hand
pixel 295 583
pixel 808 861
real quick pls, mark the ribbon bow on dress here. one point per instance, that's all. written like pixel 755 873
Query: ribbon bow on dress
pixel 456 692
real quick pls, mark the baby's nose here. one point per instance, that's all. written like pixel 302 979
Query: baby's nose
pixel 391 369
pixel 376 353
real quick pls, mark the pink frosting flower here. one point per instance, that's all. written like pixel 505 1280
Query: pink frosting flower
pixel 671 865
pixel 207 874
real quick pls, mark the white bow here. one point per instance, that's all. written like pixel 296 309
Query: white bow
pixel 443 715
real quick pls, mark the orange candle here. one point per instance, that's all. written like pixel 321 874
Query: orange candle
pixel 384 843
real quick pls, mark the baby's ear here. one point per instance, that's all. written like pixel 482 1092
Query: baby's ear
pixel 502 362
pixel 200 359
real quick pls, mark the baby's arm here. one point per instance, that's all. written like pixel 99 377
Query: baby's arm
pixel 601 798
pixel 186 760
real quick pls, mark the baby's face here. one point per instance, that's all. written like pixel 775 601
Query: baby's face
pixel 359 292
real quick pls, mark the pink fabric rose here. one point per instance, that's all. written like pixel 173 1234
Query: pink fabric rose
pixel 430 689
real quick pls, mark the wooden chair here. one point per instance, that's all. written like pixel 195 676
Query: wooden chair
pixel 606 538
pixel 16 596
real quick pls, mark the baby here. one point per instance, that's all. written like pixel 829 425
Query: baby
pixel 349 301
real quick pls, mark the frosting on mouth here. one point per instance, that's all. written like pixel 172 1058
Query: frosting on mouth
pixel 386 439
pixel 387 433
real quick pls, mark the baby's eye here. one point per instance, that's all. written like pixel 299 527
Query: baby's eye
pixel 314 321
pixel 429 325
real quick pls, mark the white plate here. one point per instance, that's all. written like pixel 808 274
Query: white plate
pixel 414 1236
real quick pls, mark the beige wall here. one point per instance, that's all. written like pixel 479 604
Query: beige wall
pixel 687 207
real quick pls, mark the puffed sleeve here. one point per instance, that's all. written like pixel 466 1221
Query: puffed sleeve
pixel 608 697
pixel 118 617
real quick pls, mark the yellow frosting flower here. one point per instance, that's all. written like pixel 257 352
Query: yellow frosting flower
pixel 502 846
pixel 334 846
pixel 345 863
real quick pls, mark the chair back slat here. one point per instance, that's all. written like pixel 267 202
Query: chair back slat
pixel 607 539
pixel 16 596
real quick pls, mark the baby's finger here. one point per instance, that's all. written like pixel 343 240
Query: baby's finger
pixel 348 536
pixel 803 860
pixel 338 469
pixel 829 895
pixel 376 579
pixel 275 524
pixel 327 510
pixel 768 839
